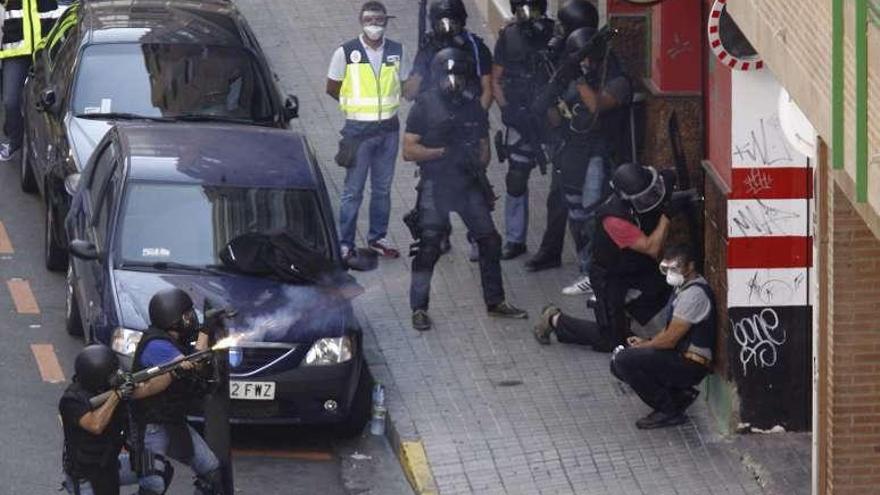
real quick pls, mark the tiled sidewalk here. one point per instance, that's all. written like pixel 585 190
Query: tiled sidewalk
pixel 497 412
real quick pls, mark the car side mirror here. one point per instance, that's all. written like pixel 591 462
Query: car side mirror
pixel 71 183
pixel 291 108
pixel 83 250
pixel 47 100
pixel 363 260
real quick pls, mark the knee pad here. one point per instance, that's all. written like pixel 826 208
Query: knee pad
pixel 210 483
pixel 517 181
pixel 489 245
pixel 430 249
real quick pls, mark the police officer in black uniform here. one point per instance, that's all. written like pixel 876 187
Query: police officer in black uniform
pixel 448 30
pixel 93 438
pixel 162 418
pixel 520 71
pixel 571 15
pixel 447 135
pixel 594 94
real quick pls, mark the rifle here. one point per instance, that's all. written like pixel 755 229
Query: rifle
pixel 123 378
pixel 684 180
pixel 422 25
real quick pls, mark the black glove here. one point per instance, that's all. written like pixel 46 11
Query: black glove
pixel 215 320
pixel 567 72
pixel 675 204
pixel 126 390
pixel 592 77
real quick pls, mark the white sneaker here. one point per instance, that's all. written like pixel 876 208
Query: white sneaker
pixel 5 152
pixel 385 248
pixel 579 287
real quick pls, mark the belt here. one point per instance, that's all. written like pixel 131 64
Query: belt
pixel 696 358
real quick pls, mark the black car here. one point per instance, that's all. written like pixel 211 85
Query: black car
pixel 109 60
pixel 157 207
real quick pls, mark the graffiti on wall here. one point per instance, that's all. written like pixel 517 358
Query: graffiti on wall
pixel 759 336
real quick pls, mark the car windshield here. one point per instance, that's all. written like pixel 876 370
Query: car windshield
pixel 166 224
pixel 170 80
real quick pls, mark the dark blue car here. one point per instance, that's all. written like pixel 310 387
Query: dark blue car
pixel 154 208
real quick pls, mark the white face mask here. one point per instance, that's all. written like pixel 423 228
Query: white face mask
pixel 374 33
pixel 674 279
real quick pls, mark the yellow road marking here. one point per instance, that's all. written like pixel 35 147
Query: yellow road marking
pixel 47 361
pixel 300 455
pixel 5 242
pixel 415 466
pixel 23 296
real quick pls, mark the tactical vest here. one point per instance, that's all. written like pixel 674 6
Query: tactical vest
pixel 701 334
pixel 607 255
pixel 25 23
pixel 449 127
pixel 525 68
pixel 172 404
pixel 364 95
pixel 610 126
pixel 87 455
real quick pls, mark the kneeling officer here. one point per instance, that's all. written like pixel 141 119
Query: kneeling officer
pixel 93 438
pixel 162 418
pixel 447 135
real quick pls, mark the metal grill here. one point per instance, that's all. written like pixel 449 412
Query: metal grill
pixel 250 359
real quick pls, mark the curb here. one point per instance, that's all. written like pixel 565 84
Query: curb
pixel 415 467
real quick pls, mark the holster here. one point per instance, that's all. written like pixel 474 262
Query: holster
pixel 411 219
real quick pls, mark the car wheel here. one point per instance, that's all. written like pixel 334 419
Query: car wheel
pixel 73 322
pixel 55 254
pixel 27 179
pixel 360 407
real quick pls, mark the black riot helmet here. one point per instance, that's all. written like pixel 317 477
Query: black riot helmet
pixel 172 310
pixel 576 14
pixel 643 187
pixel 525 10
pixel 453 70
pixel 448 17
pixel 95 365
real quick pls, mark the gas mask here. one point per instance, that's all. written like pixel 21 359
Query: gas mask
pixel 187 326
pixel 374 25
pixel 672 270
pixel 454 86
pixel 448 27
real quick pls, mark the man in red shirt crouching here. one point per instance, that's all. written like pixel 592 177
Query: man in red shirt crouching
pixel 632 228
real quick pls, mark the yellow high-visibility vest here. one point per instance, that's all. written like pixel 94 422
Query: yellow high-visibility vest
pixel 364 96
pixel 25 23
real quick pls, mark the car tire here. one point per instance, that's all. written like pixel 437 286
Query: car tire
pixel 28 180
pixel 72 319
pixel 55 254
pixel 361 403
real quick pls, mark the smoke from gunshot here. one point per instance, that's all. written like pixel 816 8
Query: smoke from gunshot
pixel 300 313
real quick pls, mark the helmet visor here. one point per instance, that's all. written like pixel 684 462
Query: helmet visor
pixel 526 13
pixel 448 26
pixel 453 83
pixel 651 197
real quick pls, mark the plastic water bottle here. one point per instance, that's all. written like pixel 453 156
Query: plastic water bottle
pixel 377 424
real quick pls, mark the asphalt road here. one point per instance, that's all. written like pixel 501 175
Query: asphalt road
pixel 36 362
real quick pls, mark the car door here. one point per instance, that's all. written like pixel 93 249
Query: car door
pixel 89 224
pixel 52 71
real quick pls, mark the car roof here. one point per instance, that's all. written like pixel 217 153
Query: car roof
pixel 217 154
pixel 206 22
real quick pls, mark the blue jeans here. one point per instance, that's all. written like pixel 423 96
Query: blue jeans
pixel 584 183
pixel 127 477
pixel 203 460
pixel 376 157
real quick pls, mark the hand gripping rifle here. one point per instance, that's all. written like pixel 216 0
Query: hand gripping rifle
pixel 128 379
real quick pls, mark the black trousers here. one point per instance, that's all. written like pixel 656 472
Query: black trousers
pixel 612 308
pixel 571 330
pixel 557 218
pixel 662 378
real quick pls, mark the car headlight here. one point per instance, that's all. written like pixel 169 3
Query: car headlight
pixel 125 341
pixel 329 351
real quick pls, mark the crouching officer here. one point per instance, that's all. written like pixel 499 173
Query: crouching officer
pixel 447 135
pixel 632 227
pixel 162 418
pixel 93 438
pixel 663 370
pixel 520 71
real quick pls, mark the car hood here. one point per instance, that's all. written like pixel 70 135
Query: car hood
pixel 267 310
pixel 84 135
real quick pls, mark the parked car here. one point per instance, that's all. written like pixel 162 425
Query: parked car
pixel 155 208
pixel 109 60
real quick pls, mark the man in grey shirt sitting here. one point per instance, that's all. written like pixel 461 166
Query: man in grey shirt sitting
pixel 664 369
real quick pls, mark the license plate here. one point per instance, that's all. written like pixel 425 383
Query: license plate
pixel 252 390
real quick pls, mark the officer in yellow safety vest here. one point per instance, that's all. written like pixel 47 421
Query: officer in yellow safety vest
pixel 25 23
pixel 365 76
